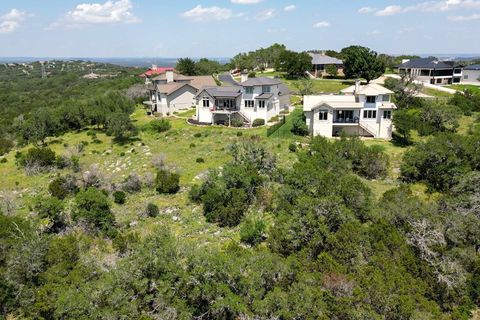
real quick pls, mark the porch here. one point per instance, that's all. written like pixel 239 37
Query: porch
pixel 346 116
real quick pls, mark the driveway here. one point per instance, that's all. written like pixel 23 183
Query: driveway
pixel 227 78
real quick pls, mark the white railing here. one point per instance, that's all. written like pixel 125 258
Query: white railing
pixel 373 130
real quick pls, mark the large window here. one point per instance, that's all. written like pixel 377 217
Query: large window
pixel 386 98
pixel 248 90
pixel 261 103
pixel 206 102
pixel 369 114
pixel 371 99
pixel 323 115
pixel 266 89
pixel 249 103
pixel 387 114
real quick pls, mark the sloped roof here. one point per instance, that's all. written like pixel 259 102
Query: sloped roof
pixel 371 89
pixel 202 81
pixel 170 88
pixel 222 92
pixel 261 81
pixel 315 101
pixel 151 72
pixel 472 67
pixel 427 63
pixel 176 77
pixel 318 58
pixel 264 96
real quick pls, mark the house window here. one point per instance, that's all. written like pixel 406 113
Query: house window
pixel 371 99
pixel 387 114
pixel 248 90
pixel 386 98
pixel 249 103
pixel 261 103
pixel 266 89
pixel 206 102
pixel 323 115
pixel 369 114
pixel 465 76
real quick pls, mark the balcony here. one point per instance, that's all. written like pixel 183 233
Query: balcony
pixel 345 120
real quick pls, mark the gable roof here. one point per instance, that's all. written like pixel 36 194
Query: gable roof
pixel 154 71
pixel 472 67
pixel 318 58
pixel 222 92
pixel 371 89
pixel 315 101
pixel 427 63
pixel 176 76
pixel 170 88
pixel 202 81
pixel 261 81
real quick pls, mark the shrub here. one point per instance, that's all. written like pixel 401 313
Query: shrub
pixel 161 125
pixel 167 182
pixel 192 145
pixel 299 126
pixel 5 146
pixel 119 197
pixel 239 134
pixel 41 157
pixel 237 123
pixel 51 208
pixel 92 208
pixel 258 123
pixel 132 183
pixel 197 135
pixel 292 147
pixel 57 189
pixel 3 160
pixel 252 231
pixel 252 74
pixel 200 160
pixel 152 210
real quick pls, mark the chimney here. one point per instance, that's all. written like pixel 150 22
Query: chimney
pixel 169 75
pixel 357 86
pixel 154 67
pixel 405 61
pixel 244 77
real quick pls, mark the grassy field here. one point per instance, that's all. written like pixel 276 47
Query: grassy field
pixel 436 93
pixel 462 87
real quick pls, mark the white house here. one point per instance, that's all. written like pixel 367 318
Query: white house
pixel 471 74
pixel 171 92
pixel 255 98
pixel 362 110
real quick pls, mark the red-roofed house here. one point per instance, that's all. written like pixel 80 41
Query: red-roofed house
pixel 154 71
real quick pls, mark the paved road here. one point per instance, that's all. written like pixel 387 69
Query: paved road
pixel 227 78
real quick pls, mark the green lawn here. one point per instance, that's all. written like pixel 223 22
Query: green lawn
pixel 462 87
pixel 436 93
pixel 187 114
pixel 323 85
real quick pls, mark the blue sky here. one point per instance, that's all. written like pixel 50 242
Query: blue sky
pixel 214 28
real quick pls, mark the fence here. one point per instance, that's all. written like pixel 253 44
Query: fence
pixel 271 130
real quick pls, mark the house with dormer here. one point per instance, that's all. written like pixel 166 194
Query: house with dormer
pixel 361 110
pixel 254 98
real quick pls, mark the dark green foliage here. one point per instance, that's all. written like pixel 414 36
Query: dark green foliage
pixel 186 66
pixel 5 146
pixel 51 208
pixel 441 161
pixel 299 126
pixel 438 117
pixel 361 62
pixel 119 197
pixel 61 187
pixel 467 101
pixel 294 64
pixel 197 135
pixel 252 231
pixel 237 123
pixel 292 147
pixel 3 160
pixel 209 67
pixel 200 160
pixel 258 123
pixel 120 126
pixel 92 207
pixel 161 125
pixel 152 210
pixel 167 182
pixel 239 134
pixel 41 157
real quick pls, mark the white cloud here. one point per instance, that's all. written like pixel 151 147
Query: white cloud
pixel 475 16
pixel 389 11
pixel 10 21
pixel 201 14
pixel 96 13
pixel 322 24
pixel 246 1
pixel 430 6
pixel 266 15
pixel 291 7
pixel 366 10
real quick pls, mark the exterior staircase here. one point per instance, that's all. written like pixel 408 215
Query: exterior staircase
pixel 246 118
pixel 369 128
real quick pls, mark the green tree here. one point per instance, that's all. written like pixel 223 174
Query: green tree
pixel 186 66
pixel 294 64
pixel 304 86
pixel 332 70
pixel 167 182
pixel 361 62
pixel 120 126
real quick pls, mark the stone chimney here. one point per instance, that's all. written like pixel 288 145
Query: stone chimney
pixel 357 86
pixel 169 76
pixel 244 77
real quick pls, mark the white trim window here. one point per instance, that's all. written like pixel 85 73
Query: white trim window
pixel 261 104
pixel 248 90
pixel 387 114
pixel 249 103
pixel 206 102
pixel 323 115
pixel 266 89
pixel 386 98
pixel 369 114
pixel 371 99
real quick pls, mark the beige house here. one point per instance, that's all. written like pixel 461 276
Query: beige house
pixel 362 110
pixel 320 63
pixel 171 92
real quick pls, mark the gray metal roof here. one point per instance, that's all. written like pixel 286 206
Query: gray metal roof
pixel 223 92
pixel 262 81
pixel 318 58
pixel 472 67
pixel 427 63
